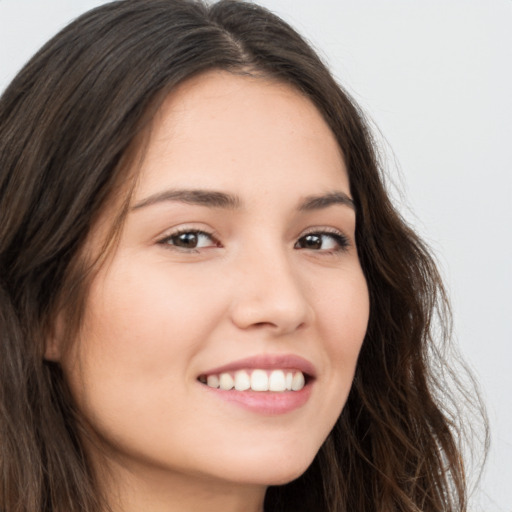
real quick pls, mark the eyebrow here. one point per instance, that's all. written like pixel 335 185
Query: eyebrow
pixel 322 201
pixel 209 198
pixel 223 200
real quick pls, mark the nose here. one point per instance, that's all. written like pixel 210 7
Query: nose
pixel 270 294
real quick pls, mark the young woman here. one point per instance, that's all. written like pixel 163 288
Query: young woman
pixel 207 300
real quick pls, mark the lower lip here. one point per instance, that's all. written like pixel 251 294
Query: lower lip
pixel 265 402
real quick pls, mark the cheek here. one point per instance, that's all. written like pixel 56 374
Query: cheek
pixel 130 371
pixel 138 317
pixel 343 314
pixel 139 334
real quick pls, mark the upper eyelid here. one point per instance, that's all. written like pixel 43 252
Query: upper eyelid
pixel 168 233
pixel 307 231
pixel 322 229
pixel 326 231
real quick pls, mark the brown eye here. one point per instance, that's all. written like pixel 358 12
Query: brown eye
pixel 186 240
pixel 190 240
pixel 310 242
pixel 325 241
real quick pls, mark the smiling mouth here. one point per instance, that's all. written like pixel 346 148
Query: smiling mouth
pixel 257 380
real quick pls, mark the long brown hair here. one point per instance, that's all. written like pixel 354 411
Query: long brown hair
pixel 68 123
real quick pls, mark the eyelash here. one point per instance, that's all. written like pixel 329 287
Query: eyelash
pixel 342 242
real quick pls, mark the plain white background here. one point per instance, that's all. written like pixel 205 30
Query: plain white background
pixel 436 78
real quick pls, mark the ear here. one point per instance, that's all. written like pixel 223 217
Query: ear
pixel 54 341
pixel 51 351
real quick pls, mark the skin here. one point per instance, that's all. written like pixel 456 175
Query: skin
pixel 159 315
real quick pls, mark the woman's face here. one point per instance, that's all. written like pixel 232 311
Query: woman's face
pixel 237 264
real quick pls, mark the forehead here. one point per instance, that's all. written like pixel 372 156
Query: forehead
pixel 232 131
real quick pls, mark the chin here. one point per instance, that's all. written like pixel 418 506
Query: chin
pixel 277 470
pixel 285 477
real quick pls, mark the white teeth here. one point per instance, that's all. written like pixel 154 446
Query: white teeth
pixel 276 381
pixel 289 380
pixel 242 381
pixel 213 381
pixel 257 380
pixel 226 382
pixel 298 381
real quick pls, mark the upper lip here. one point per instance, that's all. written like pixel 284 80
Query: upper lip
pixel 267 362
